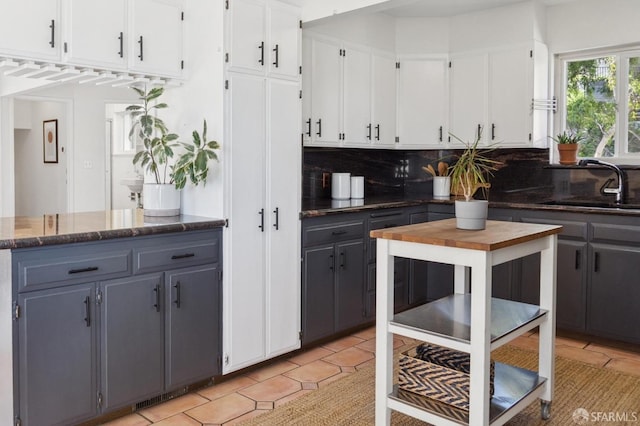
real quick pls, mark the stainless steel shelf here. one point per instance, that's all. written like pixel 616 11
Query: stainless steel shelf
pixel 514 387
pixel 449 319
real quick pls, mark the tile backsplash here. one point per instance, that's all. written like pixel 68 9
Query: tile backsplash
pixel 524 174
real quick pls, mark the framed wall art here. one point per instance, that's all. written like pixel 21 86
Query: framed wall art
pixel 50 141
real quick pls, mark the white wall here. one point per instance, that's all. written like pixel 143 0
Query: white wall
pixel 422 35
pixel 373 30
pixel 494 27
pixel 40 188
pixel 592 24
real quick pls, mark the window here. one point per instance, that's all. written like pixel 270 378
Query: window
pixel 601 96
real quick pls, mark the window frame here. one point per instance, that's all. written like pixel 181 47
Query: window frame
pixel 622 83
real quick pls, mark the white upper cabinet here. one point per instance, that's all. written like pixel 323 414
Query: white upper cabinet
pixel 156 37
pixel 384 98
pixel 517 76
pixel 30 29
pixel 263 38
pixel 468 98
pixel 357 96
pixel 422 103
pixel 349 94
pixel 326 93
pixel 284 37
pixel 494 92
pixel 510 97
pixel 95 33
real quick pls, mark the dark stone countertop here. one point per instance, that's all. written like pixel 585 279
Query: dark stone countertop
pixel 324 207
pixel 23 232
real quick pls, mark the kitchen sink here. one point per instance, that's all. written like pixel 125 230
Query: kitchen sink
pixel 592 204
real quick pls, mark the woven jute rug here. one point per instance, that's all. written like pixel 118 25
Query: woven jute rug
pixel 604 396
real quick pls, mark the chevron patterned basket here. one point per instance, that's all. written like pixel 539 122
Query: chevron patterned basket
pixel 438 373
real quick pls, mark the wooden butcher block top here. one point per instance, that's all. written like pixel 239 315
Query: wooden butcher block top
pixel 496 235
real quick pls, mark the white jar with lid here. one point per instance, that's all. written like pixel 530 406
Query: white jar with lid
pixel 341 186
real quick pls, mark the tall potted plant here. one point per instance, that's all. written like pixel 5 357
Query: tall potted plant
pixel 469 174
pixel 568 143
pixel 161 196
pixel 156 143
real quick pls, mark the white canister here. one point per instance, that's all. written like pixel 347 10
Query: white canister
pixel 341 186
pixel 441 187
pixel 357 187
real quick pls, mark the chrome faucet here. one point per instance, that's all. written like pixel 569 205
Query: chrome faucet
pixel 619 191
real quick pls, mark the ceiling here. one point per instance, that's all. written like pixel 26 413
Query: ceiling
pixel 442 8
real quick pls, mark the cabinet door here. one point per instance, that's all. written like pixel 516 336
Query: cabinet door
pixel 284 36
pixel 131 340
pixel 571 297
pixel 422 102
pixel 193 325
pixel 349 284
pixel 56 356
pixel 155 44
pixel 400 287
pixel 307 92
pixel 283 238
pixel 358 128
pixel 468 98
pixel 383 116
pixel 318 293
pixel 614 292
pixel 326 101
pixel 439 275
pixel 510 94
pixel 31 29
pixel 247 43
pixel 244 300
pixel 96 33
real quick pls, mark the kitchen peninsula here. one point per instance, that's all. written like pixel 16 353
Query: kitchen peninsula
pixel 105 308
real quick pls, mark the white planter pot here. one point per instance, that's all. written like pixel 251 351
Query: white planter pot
pixel 441 187
pixel 471 215
pixel 160 199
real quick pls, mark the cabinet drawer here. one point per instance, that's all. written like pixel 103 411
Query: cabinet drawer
pixel 172 255
pixel 62 266
pixel 329 233
pixel 569 228
pixel 610 232
pixel 381 221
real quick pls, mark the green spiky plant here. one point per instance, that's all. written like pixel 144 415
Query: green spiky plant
pixel 150 130
pixel 472 169
pixel 193 165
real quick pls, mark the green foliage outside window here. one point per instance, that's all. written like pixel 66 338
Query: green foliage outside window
pixel 592 90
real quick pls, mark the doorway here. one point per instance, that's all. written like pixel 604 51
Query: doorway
pixel 40 134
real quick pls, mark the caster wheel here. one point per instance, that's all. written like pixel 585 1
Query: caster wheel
pixel 545 410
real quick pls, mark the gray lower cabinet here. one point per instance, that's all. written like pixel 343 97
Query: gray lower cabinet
pixel 57 356
pixel 131 340
pixel 439 275
pixel 88 343
pixel 192 325
pixel 333 275
pixel 571 269
pixel 614 293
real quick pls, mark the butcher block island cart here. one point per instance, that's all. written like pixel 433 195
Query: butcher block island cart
pixel 468 321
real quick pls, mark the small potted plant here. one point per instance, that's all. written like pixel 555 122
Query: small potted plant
pixel 568 142
pixel 469 174
pixel 161 197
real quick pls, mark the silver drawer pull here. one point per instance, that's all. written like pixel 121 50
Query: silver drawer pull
pixel 182 256
pixel 79 271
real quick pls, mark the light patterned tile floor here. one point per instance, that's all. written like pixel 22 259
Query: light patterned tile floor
pixel 243 397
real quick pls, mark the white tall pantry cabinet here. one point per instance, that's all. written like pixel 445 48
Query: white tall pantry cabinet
pixel 261 290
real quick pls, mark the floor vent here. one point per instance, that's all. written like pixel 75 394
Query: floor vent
pixel 170 395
